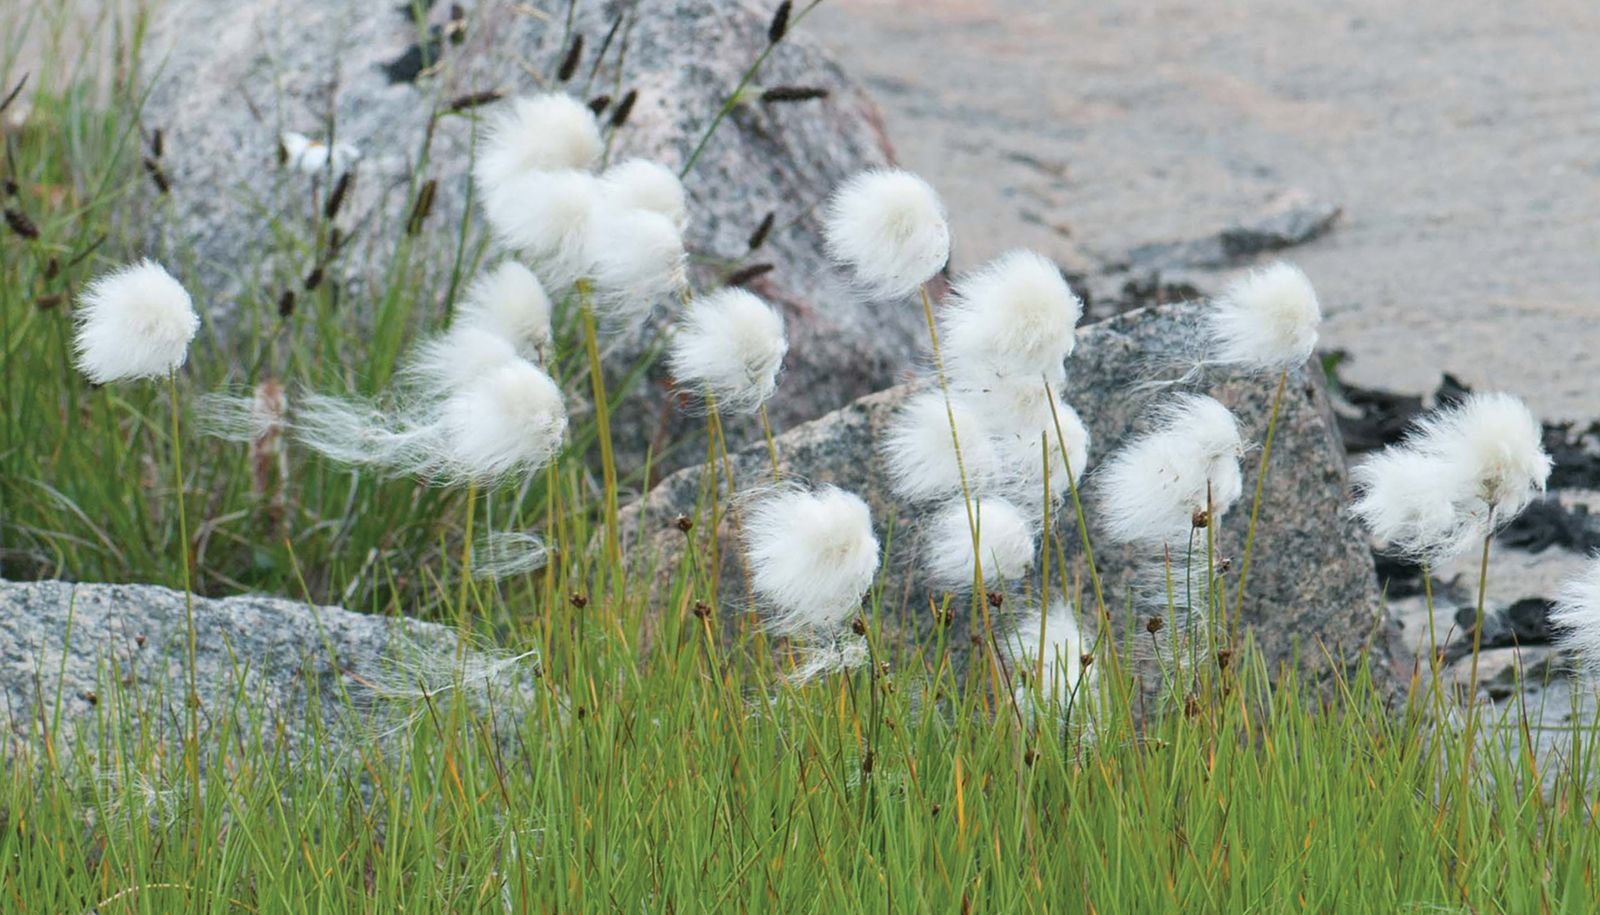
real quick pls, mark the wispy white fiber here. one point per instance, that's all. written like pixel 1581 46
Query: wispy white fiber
pixel 1577 617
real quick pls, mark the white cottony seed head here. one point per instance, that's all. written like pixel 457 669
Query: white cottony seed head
pixel 640 184
pixel 1015 319
pixel 1577 616
pixel 812 556
pixel 1151 489
pixel 637 260
pixel 542 133
pixel 1005 543
pixel 512 420
pixel 135 322
pixel 888 227
pixel 509 302
pixel 1063 651
pixel 731 345
pixel 920 455
pixel 550 217
pixel 1267 320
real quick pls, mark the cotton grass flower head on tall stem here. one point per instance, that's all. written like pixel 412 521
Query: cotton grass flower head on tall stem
pixel 511 421
pixel 1050 649
pixel 812 556
pixel 919 454
pixel 550 217
pixel 1152 488
pixel 729 345
pixel 135 322
pixel 1577 617
pixel 640 184
pixel 541 133
pixel 636 260
pixel 888 228
pixel 1029 418
pixel 509 302
pixel 1267 320
pixel 1007 541
pixel 1015 319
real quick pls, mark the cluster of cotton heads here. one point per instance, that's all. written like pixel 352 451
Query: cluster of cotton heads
pixel 1463 472
pixel 619 232
pixel 997 428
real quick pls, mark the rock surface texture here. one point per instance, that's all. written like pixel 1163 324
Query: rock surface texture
pixel 1311 592
pixel 251 229
pixel 279 669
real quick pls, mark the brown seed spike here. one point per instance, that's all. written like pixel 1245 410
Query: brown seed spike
pixel 599 104
pixel 423 207
pixel 684 523
pixel 341 189
pixel 995 599
pixel 21 224
pixel 1200 520
pixel 157 176
pixel 858 626
pixel 1154 624
pixel 779 26
pixel 314 278
pixel 286 304
pixel 579 601
pixel 782 94
pixel 475 99
pixel 569 64
pixel 624 108
pixel 744 275
pixel 759 236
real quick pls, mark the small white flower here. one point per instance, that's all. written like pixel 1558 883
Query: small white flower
pixel 135 322
pixel 1577 615
pixel 1153 487
pixel 541 133
pixel 550 217
pixel 889 228
pixel 638 260
pixel 512 420
pixel 1065 676
pixel 312 157
pixel 920 455
pixel 730 344
pixel 812 556
pixel 1006 543
pixel 510 302
pixel 1015 319
pixel 640 184
pixel 1267 320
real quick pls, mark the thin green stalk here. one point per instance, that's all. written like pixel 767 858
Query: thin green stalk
pixel 1261 480
pixel 191 702
pixel 602 417
pixel 772 445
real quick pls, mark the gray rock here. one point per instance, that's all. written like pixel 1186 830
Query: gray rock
pixel 280 669
pixel 231 77
pixel 1291 218
pixel 1311 595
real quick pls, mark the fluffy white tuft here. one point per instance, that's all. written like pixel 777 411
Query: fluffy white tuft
pixel 888 227
pixel 638 260
pixel 640 184
pixel 512 420
pixel 812 556
pixel 1499 444
pixel 1005 543
pixel 830 656
pixel 1024 414
pixel 550 132
pixel 509 302
pixel 921 457
pixel 135 322
pixel 731 345
pixel 1434 494
pixel 1014 319
pixel 1577 615
pixel 550 217
pixel 1408 500
pixel 312 157
pixel 1267 320
pixel 1153 487
pixel 1063 650
pixel 442 365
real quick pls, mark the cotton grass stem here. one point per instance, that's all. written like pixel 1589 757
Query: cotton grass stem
pixel 1255 505
pixel 466 557
pixel 1077 505
pixel 772 445
pixel 602 418
pixel 192 700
